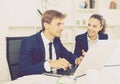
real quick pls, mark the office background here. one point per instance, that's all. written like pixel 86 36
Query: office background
pixel 21 18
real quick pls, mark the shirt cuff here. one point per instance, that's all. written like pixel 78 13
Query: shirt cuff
pixel 47 66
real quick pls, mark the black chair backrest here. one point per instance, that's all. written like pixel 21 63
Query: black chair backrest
pixel 13 48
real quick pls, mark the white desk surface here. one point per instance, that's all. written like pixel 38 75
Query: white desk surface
pixel 108 75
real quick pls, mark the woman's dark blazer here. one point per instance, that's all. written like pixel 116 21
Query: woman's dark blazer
pixel 32 54
pixel 82 43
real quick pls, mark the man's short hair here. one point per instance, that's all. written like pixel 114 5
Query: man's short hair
pixel 49 15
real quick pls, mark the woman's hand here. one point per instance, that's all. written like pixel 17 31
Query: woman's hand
pixel 83 52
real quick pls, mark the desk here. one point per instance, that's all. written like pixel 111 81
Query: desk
pixel 108 75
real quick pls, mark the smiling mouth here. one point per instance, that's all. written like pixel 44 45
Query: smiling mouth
pixel 90 32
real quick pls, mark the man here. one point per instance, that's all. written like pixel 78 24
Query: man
pixel 34 52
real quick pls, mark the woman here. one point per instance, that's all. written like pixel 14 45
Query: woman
pixel 95 31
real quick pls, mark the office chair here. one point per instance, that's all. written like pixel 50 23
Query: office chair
pixel 13 47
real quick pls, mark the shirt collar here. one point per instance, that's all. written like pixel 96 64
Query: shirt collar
pixel 92 40
pixel 45 40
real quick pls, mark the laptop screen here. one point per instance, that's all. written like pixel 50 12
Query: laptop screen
pixel 96 57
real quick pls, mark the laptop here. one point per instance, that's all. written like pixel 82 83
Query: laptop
pixel 96 57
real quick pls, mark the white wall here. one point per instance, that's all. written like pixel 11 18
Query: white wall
pixel 22 12
pixel 4 71
pixel 14 13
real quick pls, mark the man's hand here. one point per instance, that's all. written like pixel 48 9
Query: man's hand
pixel 78 60
pixel 60 63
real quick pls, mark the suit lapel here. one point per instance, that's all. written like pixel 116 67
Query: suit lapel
pixel 57 49
pixel 85 43
pixel 40 44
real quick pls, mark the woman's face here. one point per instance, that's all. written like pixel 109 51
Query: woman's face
pixel 93 27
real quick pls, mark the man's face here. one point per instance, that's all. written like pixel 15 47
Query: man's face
pixel 56 27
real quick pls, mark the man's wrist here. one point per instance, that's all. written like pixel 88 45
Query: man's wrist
pixel 47 66
pixel 83 55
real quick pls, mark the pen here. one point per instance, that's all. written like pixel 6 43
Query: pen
pixel 110 65
pixel 80 76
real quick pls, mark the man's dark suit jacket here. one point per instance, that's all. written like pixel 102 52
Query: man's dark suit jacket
pixel 32 54
pixel 82 43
